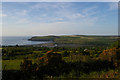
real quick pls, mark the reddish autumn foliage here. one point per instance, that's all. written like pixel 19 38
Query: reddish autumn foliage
pixel 50 56
pixel 112 55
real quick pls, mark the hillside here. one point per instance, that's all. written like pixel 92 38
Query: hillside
pixel 78 40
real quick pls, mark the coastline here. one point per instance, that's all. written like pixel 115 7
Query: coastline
pixel 61 41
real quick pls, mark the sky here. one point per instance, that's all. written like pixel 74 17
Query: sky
pixel 59 18
pixel 60 0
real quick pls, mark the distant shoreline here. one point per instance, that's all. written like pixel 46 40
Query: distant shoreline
pixel 64 40
pixel 77 40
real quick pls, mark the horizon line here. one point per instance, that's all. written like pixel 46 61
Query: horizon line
pixel 63 35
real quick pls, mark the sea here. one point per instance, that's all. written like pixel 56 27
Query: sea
pixel 19 40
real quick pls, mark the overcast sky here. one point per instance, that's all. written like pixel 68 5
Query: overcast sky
pixel 51 18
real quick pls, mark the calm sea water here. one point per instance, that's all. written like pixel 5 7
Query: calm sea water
pixel 12 40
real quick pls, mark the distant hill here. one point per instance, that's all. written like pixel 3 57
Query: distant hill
pixel 78 39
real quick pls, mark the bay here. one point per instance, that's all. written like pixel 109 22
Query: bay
pixel 18 40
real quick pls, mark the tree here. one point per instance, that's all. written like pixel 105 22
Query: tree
pixel 53 63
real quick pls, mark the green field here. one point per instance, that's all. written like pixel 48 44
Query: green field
pixel 11 64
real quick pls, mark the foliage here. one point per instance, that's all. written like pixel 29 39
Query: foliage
pixel 81 62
